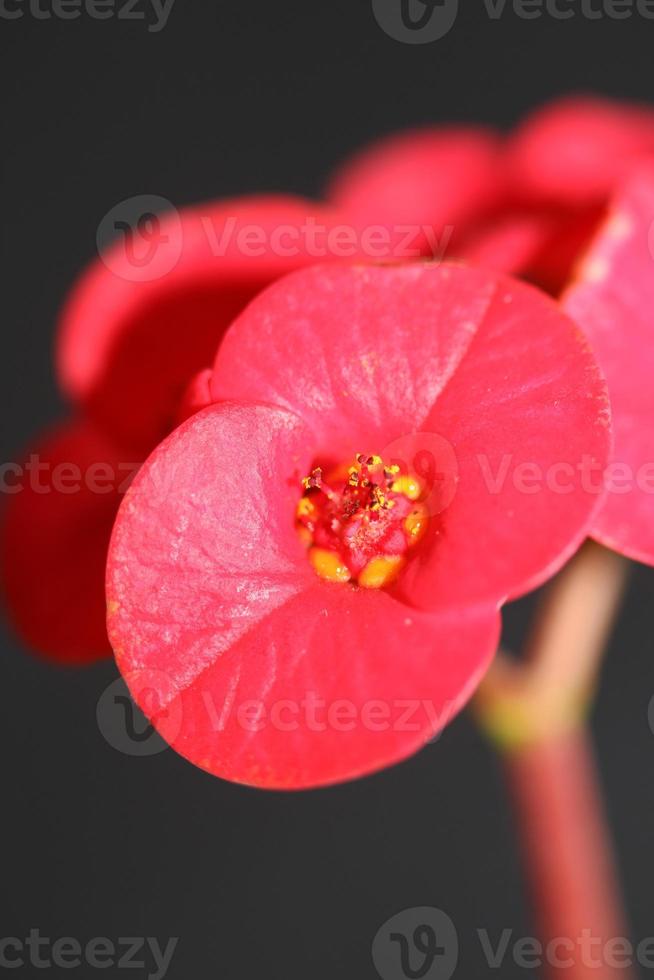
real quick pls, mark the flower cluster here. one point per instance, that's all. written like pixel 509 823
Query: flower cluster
pixel 323 521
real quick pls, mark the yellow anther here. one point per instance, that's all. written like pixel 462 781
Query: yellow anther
pixel 416 524
pixel 328 565
pixel 306 508
pixel 380 572
pixel 408 486
pixel 379 500
pixel 314 479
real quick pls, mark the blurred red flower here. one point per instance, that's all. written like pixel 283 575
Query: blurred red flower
pixel 131 337
pixel 527 204
pixel 612 298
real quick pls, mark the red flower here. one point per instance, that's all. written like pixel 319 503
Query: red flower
pixel 290 632
pixel 562 165
pixel 128 346
pixel 594 161
pixel 130 339
pixel 575 150
pixel 613 300
pixel 429 184
pixel 57 526
pixel 527 205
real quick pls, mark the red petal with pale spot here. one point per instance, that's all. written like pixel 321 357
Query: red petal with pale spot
pixel 490 365
pixel 613 300
pixel 431 178
pixel 56 531
pixel 260 672
pixel 127 347
pixel 574 150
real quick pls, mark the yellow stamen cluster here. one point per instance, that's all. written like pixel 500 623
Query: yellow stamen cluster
pixel 353 507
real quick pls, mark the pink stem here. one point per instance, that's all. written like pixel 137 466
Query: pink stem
pixel 568 858
pixel 535 711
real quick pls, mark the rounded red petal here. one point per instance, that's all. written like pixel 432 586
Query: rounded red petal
pixel 573 151
pixel 426 177
pixel 334 684
pixel 527 413
pixel 492 367
pixel 205 545
pixel 613 300
pixel 250 666
pixel 60 506
pixel 132 335
pixel 361 352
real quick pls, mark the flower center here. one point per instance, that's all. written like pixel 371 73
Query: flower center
pixel 361 522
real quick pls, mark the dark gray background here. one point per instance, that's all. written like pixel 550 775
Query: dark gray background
pixel 230 97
